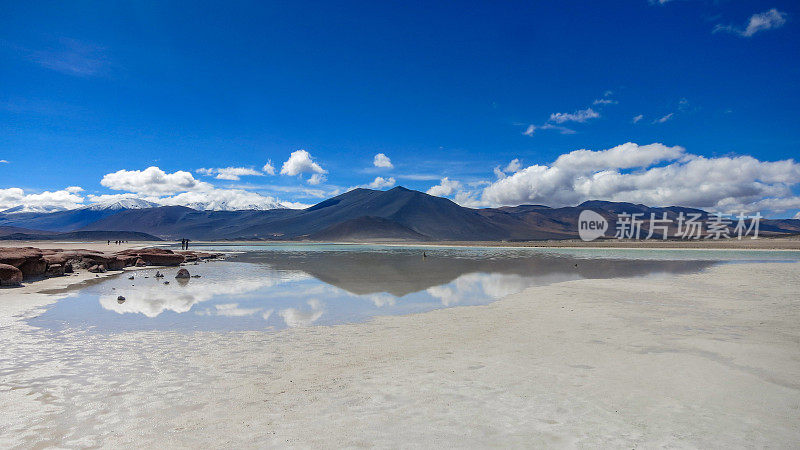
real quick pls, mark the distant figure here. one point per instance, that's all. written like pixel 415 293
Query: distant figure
pixel 109 242
pixel 424 255
pixel 187 244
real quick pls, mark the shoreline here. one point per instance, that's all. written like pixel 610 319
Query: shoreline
pixel 781 243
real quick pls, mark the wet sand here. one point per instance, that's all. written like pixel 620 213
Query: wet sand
pixel 710 359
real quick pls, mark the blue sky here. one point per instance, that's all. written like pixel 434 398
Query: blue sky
pixel 447 91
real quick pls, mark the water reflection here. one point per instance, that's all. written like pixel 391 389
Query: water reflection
pixel 276 289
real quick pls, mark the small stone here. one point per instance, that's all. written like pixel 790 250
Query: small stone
pixel 183 273
pixel 120 299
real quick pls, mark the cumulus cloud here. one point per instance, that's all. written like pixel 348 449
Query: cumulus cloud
pixel 268 168
pixel 231 173
pixel 222 199
pixel 67 198
pixel 380 183
pixel 382 161
pixel 181 189
pixel 300 162
pixel 153 181
pixel 766 20
pixel 444 188
pixel 579 116
pixel 652 174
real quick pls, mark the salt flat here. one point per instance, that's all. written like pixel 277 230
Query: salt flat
pixel 710 359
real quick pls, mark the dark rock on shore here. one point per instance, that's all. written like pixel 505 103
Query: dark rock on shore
pixel 99 268
pixel 155 256
pixel 28 262
pixel 10 275
pixel 183 273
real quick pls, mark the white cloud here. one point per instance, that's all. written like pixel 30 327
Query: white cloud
pixel 300 162
pixel 530 130
pixel 513 166
pixel 547 126
pixel 3 161
pixel 316 179
pixel 606 99
pixel 636 119
pixel 66 198
pixel 268 168
pixel 579 116
pixel 444 188
pixel 664 118
pixel 222 199
pixel 382 161
pixel 153 181
pixel 380 183
pixel 766 20
pixel 634 173
pixel 230 173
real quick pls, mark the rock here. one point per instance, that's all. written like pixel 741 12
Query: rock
pixel 56 258
pixel 68 268
pixel 130 277
pixel 183 273
pixel 156 256
pixel 159 274
pixel 55 270
pixel 33 268
pixel 120 299
pixel 140 262
pixel 195 276
pixel 19 256
pixel 99 268
pixel 28 260
pixel 162 259
pixel 10 275
pixel 115 264
pixel 166 282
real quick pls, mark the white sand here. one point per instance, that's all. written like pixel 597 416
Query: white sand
pixel 704 360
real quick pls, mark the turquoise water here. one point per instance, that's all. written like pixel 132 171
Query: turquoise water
pixel 277 286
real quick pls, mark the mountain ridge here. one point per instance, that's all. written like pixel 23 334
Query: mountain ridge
pixel 359 214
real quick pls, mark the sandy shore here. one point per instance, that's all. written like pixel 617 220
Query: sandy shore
pixel 704 360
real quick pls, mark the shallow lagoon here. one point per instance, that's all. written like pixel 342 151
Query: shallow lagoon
pixel 275 286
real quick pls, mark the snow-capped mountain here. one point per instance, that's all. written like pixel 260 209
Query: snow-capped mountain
pixel 33 209
pixel 228 206
pixel 124 203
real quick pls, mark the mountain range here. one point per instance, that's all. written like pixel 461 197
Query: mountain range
pixel 357 215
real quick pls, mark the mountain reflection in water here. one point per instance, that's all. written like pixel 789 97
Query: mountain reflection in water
pixel 275 289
